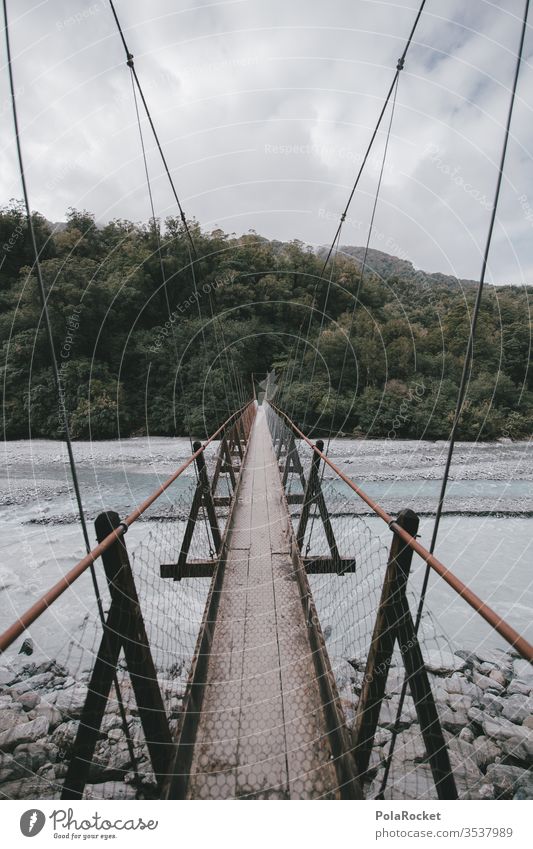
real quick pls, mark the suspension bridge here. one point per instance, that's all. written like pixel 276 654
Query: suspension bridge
pixel 261 642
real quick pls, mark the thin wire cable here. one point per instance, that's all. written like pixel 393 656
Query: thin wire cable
pixel 365 256
pixel 399 67
pixel 464 378
pixel 131 65
pixel 57 379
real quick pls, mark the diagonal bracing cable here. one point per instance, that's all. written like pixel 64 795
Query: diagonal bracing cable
pixel 57 379
pixel 464 377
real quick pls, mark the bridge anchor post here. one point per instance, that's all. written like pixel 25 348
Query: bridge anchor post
pixel 395 623
pixel 124 629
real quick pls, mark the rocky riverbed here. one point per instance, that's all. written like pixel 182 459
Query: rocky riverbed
pixel 40 707
pixel 485 704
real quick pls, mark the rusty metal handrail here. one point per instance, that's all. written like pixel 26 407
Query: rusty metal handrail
pixel 39 607
pixel 502 627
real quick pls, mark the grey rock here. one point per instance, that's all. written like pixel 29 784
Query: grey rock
pixel 517 708
pixel 24 732
pixel 457 684
pixel 453 720
pixel 71 701
pixel 387 716
pixel 12 716
pixel 29 700
pixel 53 715
pixel 468 776
pixel 505 779
pixel 467 735
pixel 485 751
pixel 64 736
pixel 7 677
pixel 31 756
pixel 515 740
pixel 443 663
pixel 523 670
pixel 491 703
pixel 528 722
pixel 115 734
pixel 524 787
pixel 498 676
pixel 9 768
pixel 484 682
pixel 459 703
pixel 519 687
pixel 44 679
pixel 110 720
pixel 468 656
pixel 109 790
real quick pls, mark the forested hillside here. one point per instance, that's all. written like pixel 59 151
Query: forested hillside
pixel 119 351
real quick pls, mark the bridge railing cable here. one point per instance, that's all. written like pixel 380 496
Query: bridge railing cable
pixel 67 737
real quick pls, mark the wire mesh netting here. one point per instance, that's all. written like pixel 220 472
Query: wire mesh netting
pixel 41 701
pixel 483 700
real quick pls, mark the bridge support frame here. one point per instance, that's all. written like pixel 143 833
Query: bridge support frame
pixel 313 495
pixel 124 629
pixel 395 623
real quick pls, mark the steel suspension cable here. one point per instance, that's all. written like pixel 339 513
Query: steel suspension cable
pixel 43 296
pixel 131 65
pixel 464 377
pixel 399 67
pixel 356 300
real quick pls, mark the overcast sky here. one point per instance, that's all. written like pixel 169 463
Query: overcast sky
pixel 264 110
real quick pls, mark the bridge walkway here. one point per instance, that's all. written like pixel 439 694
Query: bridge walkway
pixel 262 731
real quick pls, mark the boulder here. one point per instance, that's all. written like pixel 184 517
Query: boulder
pixel 443 663
pixel 467 735
pixel 521 688
pixel 514 740
pixel 50 712
pixel 457 684
pixel 24 732
pixel 71 701
pixel 517 708
pixel 484 682
pixel 505 779
pixel 485 751
pixel 524 787
pixel 12 716
pixel 64 736
pixel 31 756
pixel 524 671
pixel 491 703
pixel 29 700
pixel 498 676
pixel 453 720
pixel 37 682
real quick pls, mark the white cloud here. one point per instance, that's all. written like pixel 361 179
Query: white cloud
pixel 265 110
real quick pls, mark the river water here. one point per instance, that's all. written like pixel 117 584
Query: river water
pixel 486 534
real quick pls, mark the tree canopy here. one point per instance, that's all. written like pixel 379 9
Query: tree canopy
pixel 150 344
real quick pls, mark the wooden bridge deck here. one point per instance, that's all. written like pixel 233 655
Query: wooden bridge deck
pixel 262 731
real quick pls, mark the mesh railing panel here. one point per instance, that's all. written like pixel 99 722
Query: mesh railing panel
pixel 482 699
pixel 41 701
